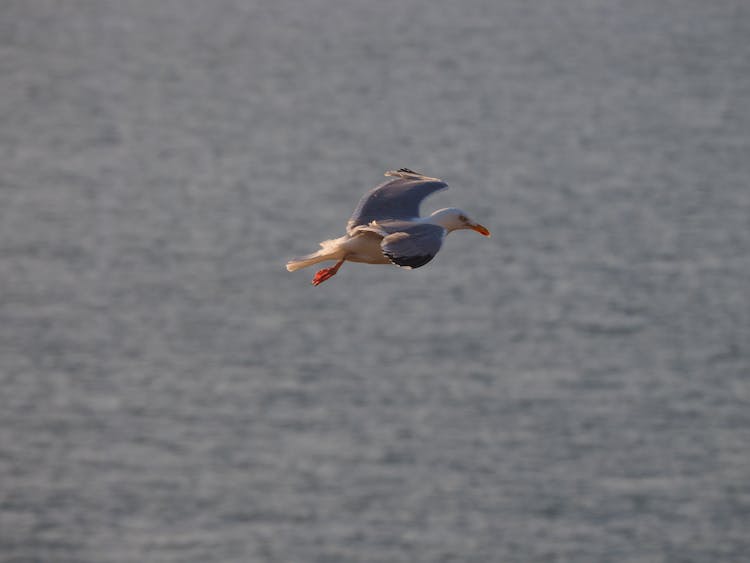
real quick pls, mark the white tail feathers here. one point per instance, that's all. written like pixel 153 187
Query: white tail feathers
pixel 330 251
pixel 305 261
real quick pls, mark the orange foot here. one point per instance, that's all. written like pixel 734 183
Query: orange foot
pixel 326 273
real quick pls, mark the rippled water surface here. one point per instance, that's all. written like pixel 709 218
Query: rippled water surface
pixel 575 388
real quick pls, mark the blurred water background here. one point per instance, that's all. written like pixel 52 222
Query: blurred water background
pixel 575 388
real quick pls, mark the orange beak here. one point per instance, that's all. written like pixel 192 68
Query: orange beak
pixel 481 229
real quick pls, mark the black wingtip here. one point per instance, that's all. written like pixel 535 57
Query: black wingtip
pixel 409 261
pixel 409 174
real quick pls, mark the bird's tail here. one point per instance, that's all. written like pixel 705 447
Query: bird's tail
pixel 329 251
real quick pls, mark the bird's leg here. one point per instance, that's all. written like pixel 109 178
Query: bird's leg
pixel 327 273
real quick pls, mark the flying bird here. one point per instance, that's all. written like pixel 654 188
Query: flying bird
pixel 386 227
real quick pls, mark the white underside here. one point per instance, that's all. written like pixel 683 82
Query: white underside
pixel 363 247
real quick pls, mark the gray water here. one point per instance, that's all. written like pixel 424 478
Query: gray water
pixel 575 388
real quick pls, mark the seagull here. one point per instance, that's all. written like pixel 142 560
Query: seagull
pixel 386 227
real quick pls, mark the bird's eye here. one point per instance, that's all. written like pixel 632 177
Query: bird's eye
pixel 462 218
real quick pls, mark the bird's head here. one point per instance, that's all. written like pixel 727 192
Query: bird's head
pixel 452 219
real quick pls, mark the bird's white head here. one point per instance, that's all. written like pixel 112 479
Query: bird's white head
pixel 452 219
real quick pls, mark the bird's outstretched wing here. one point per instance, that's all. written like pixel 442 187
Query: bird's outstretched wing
pixel 414 245
pixel 395 199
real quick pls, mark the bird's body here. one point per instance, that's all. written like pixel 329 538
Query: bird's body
pixel 386 228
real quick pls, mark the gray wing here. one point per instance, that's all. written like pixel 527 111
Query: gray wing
pixel 395 199
pixel 414 245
